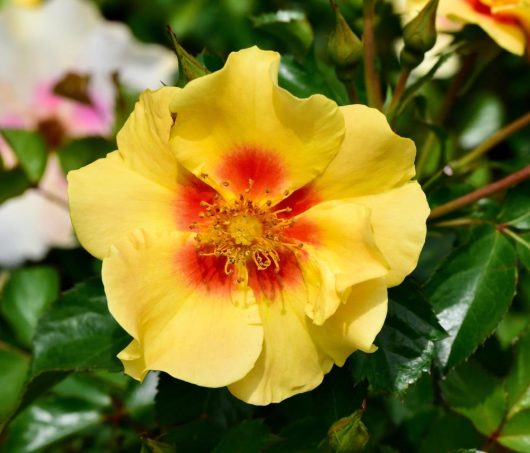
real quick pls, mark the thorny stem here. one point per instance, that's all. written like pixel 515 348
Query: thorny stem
pixel 371 77
pixel 449 99
pixel 492 140
pixel 9 347
pixel 398 92
pixel 516 238
pixel 458 222
pixel 352 92
pixel 481 149
pixel 53 198
pixel 483 192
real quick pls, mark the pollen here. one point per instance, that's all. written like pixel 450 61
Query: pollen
pixel 245 229
pixel 243 232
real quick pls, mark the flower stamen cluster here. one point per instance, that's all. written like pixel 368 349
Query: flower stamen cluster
pixel 242 231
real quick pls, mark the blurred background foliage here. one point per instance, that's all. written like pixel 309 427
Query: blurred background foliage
pixel 452 372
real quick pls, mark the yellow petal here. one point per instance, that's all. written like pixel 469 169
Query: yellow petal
pixel 133 361
pixel 398 219
pixel 143 142
pixel 290 362
pixel 237 124
pixel 182 310
pixel 339 233
pixel 507 34
pixel 322 299
pixel 372 158
pixel 108 200
pixel 356 322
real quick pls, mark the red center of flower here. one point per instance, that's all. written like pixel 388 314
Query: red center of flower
pixel 243 231
pixel 485 8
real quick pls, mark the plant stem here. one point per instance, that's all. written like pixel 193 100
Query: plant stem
pixel 53 198
pixel 352 93
pixel 455 87
pixel 458 222
pixel 449 99
pixel 9 347
pixel 483 192
pixel 371 78
pixel 481 149
pixel 516 238
pixel 398 92
pixel 491 141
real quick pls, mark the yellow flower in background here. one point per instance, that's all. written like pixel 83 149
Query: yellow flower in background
pixel 28 3
pixel 506 21
pixel 248 237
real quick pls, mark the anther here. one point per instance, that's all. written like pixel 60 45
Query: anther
pixel 226 183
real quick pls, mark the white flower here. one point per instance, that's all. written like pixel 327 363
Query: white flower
pixel 40 46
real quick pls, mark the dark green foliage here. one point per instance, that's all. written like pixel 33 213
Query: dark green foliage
pixel 78 333
pixel 471 292
pixel 452 369
pixel 26 295
pixel 406 343
pixel 30 149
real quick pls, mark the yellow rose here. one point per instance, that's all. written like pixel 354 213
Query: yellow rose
pixel 506 21
pixel 248 237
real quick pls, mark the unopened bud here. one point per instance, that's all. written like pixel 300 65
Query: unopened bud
pixel 420 33
pixel 344 47
pixel 409 58
pixel 349 434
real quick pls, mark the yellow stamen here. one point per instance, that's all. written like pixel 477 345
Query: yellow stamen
pixel 242 231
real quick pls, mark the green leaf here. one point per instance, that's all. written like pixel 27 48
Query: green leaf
pixel 153 446
pixel 523 249
pixel 30 149
pixel 515 433
pixel 178 402
pixel 247 437
pixel 471 391
pixel 26 295
pixel 411 91
pixel 518 381
pixel 471 292
pixel 36 386
pixel 483 116
pixel 437 247
pixel 141 397
pixel 49 421
pixel 406 342
pixel 188 65
pixel 198 435
pixel 499 409
pixel 13 369
pixel 78 333
pixel 78 153
pixel 458 432
pixel 516 208
pixel 13 183
pixel 291 27
pixel 311 78
pixel 84 387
